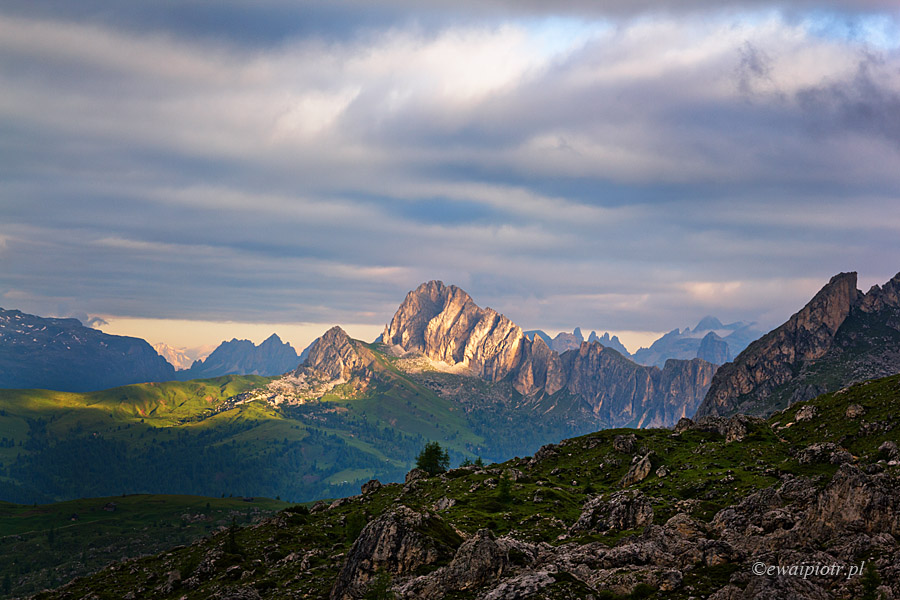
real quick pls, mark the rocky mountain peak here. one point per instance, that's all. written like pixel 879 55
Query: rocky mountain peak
pixel 780 368
pixel 444 324
pixel 879 297
pixel 708 322
pixel 333 356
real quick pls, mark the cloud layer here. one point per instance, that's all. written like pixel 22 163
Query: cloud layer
pixel 615 168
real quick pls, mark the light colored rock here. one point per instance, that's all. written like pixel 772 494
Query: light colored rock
pixel 638 471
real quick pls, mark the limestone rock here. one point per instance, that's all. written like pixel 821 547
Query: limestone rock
pixel 416 474
pixel 399 542
pixel 824 452
pixel 624 443
pixel 628 509
pixel 638 471
pixel 478 562
pixel 444 324
pixel 768 362
pixel 373 485
pixel 855 411
pixel 334 356
pixel 807 413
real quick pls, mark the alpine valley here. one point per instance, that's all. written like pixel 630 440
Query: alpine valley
pixel 791 457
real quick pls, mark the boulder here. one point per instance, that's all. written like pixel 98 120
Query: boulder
pixel 628 509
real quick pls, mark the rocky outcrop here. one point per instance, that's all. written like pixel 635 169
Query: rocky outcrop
pixel 619 511
pixel 334 356
pixel 64 355
pixel 833 333
pixel 638 471
pixel 398 542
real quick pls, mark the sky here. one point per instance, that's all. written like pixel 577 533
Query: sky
pixel 183 172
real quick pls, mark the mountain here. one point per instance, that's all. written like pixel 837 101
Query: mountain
pixel 449 371
pixel 610 342
pixel 242 357
pixel 177 357
pixel 840 337
pixel 701 511
pixel 444 324
pixel 689 343
pixel 572 341
pixel 63 354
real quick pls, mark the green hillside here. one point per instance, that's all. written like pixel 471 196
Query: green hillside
pixel 47 545
pixel 203 437
pixel 697 471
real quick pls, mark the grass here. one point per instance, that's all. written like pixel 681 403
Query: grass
pixel 705 474
pixel 46 545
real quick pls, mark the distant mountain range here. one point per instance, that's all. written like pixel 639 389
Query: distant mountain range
pixel 242 357
pixel 710 340
pixel 572 341
pixel 63 354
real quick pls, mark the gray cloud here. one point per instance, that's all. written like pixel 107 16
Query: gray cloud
pixel 635 176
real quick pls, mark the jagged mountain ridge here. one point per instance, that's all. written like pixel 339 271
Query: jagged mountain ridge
pixel 243 357
pixel 571 341
pixel 64 355
pixel 840 337
pixel 445 325
pixel 726 342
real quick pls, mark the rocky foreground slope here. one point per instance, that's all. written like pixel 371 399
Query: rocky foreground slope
pixel 840 337
pixel 721 508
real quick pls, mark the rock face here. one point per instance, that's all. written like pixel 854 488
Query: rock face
pixel 334 357
pixel 242 357
pixel 64 355
pixel 398 542
pixel 444 324
pixel 609 342
pixel 841 333
pixel 618 512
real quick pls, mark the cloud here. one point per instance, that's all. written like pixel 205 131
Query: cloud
pixel 611 165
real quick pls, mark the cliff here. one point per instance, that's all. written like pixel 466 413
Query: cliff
pixel 840 337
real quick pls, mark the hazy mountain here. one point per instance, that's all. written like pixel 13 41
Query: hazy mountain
pixel 840 337
pixel 177 357
pixel 610 342
pixel 572 341
pixel 63 354
pixel 686 344
pixel 242 357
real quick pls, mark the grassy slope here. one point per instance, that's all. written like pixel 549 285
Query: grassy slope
pixel 705 475
pixel 46 545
